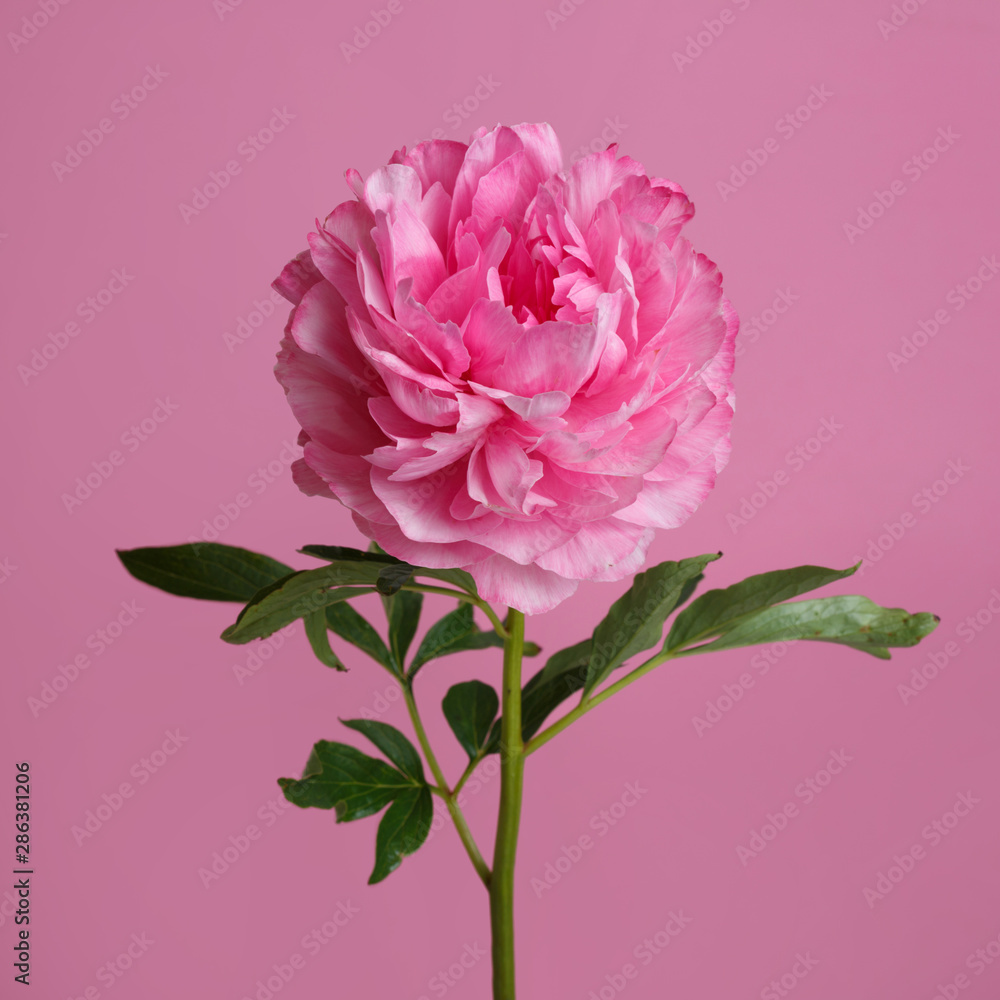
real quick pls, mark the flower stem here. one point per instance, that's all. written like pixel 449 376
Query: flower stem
pixel 464 833
pixel 540 739
pixel 508 821
pixel 461 595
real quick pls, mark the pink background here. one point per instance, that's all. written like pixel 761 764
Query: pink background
pixel 161 339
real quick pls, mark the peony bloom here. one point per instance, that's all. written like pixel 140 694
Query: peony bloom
pixel 509 367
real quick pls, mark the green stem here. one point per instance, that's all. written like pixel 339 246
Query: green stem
pixel 461 595
pixel 464 833
pixel 540 739
pixel 508 821
pixel 466 774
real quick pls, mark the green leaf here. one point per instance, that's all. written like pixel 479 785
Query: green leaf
pixel 299 594
pixel 402 611
pixel 392 743
pixel 342 619
pixel 458 577
pixel 336 553
pixel 403 828
pixel 850 620
pixel 319 639
pixel 470 708
pixel 635 621
pixel 717 610
pixel 338 776
pixel 564 674
pixel 206 570
pixel 340 553
pixel 392 577
pixel 454 633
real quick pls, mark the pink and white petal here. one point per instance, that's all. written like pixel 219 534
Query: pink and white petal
pixel 309 481
pixel 485 151
pixel 589 183
pixel 297 277
pixel 394 422
pixel 697 325
pixel 670 504
pixel 441 342
pixel 372 283
pixel 512 472
pixel 489 333
pixel 529 589
pixel 437 162
pixel 326 407
pixel 631 564
pixel 430 554
pixel 551 356
pixel 593 550
pixel 339 269
pixel 541 147
pixel 443 448
pixel 691 445
pixel 433 213
pixel 391 186
pixel 415 253
pixel 421 508
pixel 389 359
pixel 319 326
pixel 497 191
pixel 639 451
pixel 524 542
pixel 349 479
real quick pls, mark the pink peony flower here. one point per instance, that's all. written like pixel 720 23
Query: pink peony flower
pixel 509 367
